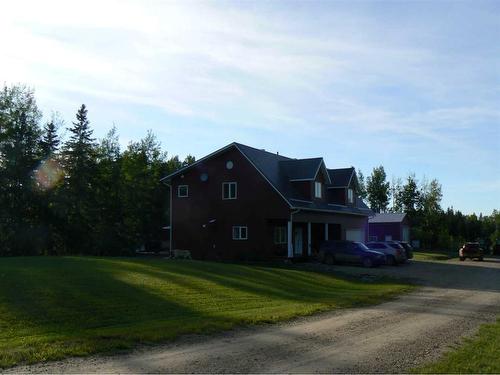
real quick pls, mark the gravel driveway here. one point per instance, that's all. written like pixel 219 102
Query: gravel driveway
pixel 394 336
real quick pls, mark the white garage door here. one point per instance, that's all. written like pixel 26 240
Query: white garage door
pixel 355 235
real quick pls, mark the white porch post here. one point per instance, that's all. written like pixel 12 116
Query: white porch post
pixel 289 240
pixel 309 239
pixel 326 231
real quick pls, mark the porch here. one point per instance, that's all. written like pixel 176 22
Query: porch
pixel 307 230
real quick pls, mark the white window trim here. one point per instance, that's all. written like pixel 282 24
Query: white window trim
pixel 239 228
pixel 235 190
pixel 318 193
pixel 179 191
pixel 350 195
pixel 280 235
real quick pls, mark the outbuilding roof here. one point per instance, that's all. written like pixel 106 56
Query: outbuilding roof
pixel 387 217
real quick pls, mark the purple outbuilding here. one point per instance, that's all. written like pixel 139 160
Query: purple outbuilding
pixel 389 227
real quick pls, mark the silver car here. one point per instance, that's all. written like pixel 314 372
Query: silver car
pixel 394 252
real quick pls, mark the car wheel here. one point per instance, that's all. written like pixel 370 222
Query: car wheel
pixel 367 262
pixel 462 259
pixel 391 261
pixel 329 259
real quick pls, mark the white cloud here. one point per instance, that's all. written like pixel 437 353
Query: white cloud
pixel 317 76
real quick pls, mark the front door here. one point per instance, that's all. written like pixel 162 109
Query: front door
pixel 297 241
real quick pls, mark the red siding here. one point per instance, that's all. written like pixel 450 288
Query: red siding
pixel 258 206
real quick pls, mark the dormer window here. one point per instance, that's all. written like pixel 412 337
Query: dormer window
pixel 318 189
pixel 350 196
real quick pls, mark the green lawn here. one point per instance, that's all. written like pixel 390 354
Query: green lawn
pixel 434 255
pixel 480 354
pixel 56 307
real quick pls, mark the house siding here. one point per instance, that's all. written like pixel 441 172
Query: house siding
pixel 336 195
pixel 202 223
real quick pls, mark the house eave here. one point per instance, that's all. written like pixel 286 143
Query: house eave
pixel 330 211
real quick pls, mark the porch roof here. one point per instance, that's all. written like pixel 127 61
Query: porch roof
pixel 359 209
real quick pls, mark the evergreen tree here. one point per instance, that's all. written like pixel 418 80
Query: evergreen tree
pixel 50 139
pixel 190 159
pixel 108 188
pixel 19 157
pixel 79 160
pixel 378 190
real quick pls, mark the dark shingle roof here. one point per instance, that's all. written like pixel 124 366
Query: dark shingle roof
pixel 387 217
pixel 279 170
pixel 340 177
pixel 301 169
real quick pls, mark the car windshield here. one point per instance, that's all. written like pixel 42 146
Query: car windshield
pixel 361 246
pixel 473 245
pixel 395 245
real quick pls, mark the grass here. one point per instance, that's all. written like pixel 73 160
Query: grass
pixel 434 255
pixel 479 354
pixel 51 308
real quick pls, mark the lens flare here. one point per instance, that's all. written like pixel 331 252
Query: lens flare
pixel 48 174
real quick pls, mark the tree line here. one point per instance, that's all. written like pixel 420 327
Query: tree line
pixel 433 226
pixel 77 195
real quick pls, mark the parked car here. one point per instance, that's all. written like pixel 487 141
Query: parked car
pixel 394 252
pixel 471 250
pixel 331 252
pixel 408 249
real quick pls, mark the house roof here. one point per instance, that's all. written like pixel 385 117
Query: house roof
pixel 387 217
pixel 280 171
pixel 341 177
pixel 301 169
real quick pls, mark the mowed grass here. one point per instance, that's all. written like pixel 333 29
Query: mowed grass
pixel 434 255
pixel 52 307
pixel 478 355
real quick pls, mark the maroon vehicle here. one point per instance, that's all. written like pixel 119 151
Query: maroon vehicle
pixel 471 250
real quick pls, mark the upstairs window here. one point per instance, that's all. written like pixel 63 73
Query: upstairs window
pixel 229 190
pixel 240 233
pixel 183 191
pixel 318 189
pixel 280 235
pixel 350 196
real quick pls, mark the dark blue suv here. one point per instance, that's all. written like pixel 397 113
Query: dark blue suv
pixel 331 252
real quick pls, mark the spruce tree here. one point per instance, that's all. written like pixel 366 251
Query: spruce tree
pixel 79 160
pixel 19 157
pixel 50 139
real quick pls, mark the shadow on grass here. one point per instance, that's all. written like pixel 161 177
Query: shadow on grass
pixel 54 307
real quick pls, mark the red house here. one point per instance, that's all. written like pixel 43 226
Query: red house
pixel 245 203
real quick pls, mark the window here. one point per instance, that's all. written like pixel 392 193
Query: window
pixel 373 238
pixel 350 196
pixel 318 189
pixel 229 190
pixel 280 235
pixel 183 191
pixel 240 233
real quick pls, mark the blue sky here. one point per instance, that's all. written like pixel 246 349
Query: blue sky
pixel 414 86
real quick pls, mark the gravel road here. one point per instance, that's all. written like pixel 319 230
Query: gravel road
pixel 455 298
